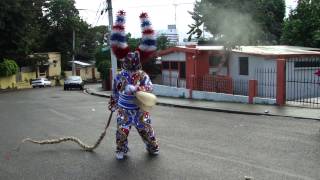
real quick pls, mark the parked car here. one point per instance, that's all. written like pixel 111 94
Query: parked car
pixel 73 82
pixel 40 82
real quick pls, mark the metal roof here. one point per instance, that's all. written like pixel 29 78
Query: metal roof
pixel 81 63
pixel 266 51
pixel 277 50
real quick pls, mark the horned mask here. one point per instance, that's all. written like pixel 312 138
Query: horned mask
pixel 132 60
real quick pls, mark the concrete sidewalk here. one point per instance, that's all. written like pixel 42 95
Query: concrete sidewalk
pixel 252 109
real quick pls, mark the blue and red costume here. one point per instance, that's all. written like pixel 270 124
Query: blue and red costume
pixel 130 80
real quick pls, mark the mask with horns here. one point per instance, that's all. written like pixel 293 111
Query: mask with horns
pixel 132 60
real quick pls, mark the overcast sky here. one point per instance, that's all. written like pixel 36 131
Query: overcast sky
pixel 161 13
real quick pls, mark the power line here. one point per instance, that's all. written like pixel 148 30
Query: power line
pixel 159 5
pixel 103 3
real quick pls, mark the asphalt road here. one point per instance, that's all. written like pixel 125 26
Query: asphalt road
pixel 194 144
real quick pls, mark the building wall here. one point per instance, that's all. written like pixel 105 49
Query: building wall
pixel 266 84
pixel 197 65
pixel 68 73
pixel 86 73
pixel 202 64
pixel 223 71
pixel 166 80
pixel 255 63
pixel 178 56
pixel 54 68
pixel 27 76
pixel 190 69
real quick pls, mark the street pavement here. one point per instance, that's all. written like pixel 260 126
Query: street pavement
pixel 195 144
pixel 239 108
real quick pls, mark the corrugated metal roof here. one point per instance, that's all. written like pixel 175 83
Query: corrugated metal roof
pixel 206 48
pixel 277 50
pixel 266 51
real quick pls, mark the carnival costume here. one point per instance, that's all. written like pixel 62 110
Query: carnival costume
pixel 130 80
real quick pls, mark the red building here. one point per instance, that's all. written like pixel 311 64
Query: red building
pixel 192 66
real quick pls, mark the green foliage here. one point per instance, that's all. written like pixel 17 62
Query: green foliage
pixel 302 27
pixel 36 60
pixel 43 26
pixel 239 22
pixel 163 42
pixel 20 24
pixel 104 68
pixel 198 21
pixel 103 61
pixel 8 68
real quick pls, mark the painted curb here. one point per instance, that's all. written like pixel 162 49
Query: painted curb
pixel 212 109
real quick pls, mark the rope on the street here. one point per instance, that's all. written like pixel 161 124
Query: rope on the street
pixel 70 138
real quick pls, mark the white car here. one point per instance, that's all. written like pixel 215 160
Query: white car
pixel 40 82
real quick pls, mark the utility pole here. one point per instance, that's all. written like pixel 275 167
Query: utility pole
pixel 113 58
pixel 73 51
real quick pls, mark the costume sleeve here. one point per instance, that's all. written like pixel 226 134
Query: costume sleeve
pixel 146 84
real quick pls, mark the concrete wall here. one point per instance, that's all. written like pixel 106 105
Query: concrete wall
pixel 162 90
pixel 168 91
pixel 258 100
pixel 213 96
pixel 8 82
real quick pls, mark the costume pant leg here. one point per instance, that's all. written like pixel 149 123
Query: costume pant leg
pixel 123 129
pixel 144 128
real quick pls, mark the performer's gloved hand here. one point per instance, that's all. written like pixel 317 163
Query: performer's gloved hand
pixel 112 104
pixel 130 89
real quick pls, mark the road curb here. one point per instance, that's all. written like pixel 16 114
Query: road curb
pixel 210 109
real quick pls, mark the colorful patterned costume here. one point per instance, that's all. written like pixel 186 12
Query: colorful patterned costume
pixel 130 80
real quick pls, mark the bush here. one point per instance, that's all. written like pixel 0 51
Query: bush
pixel 8 68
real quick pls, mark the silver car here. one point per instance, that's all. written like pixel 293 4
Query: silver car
pixel 73 82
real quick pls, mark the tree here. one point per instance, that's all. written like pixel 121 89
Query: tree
pixel 163 42
pixel 198 22
pixel 239 22
pixel 103 61
pixel 8 67
pixel 302 27
pixel 20 25
pixel 63 18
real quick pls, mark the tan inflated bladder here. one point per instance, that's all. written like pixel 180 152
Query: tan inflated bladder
pixel 146 100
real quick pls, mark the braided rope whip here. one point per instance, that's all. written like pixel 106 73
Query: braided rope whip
pixel 71 138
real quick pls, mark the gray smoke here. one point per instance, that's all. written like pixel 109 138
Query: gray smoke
pixel 230 26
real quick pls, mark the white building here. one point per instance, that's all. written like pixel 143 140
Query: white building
pixel 171 33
